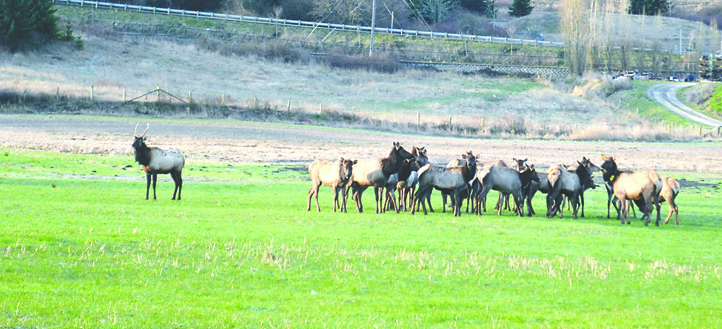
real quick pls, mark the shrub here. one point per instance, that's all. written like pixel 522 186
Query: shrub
pixel 379 63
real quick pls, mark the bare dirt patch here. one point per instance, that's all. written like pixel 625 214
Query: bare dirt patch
pixel 244 142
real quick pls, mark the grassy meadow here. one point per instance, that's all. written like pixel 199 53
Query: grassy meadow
pixel 81 247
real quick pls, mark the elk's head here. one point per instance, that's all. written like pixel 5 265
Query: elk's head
pixel 139 140
pixel 347 167
pixel 401 152
pixel 519 163
pixel 609 167
pixel 470 158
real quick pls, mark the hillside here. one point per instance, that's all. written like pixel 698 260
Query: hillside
pixel 115 64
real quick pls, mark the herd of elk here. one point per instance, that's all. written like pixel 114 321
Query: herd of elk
pixel 414 177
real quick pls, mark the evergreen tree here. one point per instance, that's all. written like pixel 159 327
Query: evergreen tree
pixel 484 7
pixel 649 7
pixel 520 8
pixel 21 20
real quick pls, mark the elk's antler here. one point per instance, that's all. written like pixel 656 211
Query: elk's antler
pixel 147 125
pixel 135 131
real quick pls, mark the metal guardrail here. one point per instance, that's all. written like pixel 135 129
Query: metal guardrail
pixel 288 22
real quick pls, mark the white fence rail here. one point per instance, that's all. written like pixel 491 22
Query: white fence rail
pixel 288 22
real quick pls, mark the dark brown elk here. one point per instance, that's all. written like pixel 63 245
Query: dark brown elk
pixel 629 185
pixel 542 185
pixel 505 180
pixel 155 161
pixel 334 174
pixel 406 187
pixel 451 180
pixel 404 179
pixel 376 172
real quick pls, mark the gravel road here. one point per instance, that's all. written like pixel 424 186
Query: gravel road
pixel 666 94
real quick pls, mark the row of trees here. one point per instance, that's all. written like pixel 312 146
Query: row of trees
pixel 598 35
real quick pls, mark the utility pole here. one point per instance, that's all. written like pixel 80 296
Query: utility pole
pixel 373 27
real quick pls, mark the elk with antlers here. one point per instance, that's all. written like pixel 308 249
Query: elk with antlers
pixel 155 161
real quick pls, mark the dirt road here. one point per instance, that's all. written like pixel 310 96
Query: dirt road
pixel 247 142
pixel 666 94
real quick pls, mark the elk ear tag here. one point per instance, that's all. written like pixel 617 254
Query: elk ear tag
pixel 603 157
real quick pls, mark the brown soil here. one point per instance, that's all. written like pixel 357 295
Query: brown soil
pixel 244 142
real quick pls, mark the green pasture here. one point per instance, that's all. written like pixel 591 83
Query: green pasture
pixel 81 247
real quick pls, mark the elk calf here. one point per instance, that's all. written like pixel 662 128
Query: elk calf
pixel 334 174
pixel 155 161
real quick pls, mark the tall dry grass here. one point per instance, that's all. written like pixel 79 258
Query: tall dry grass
pixel 253 110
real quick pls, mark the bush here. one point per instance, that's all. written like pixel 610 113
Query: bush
pixel 379 63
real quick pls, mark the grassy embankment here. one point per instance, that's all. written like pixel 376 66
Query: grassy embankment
pixel 81 247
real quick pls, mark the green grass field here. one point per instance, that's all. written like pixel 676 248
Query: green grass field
pixel 81 247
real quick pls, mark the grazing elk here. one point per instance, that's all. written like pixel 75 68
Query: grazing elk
pixel 334 174
pixel 670 190
pixel 155 161
pixel 628 185
pixel 505 180
pixel 376 172
pixel 451 180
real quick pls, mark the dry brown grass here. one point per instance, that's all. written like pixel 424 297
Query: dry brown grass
pixel 318 94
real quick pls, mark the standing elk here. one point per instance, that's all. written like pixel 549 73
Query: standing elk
pixel 155 161
pixel 451 180
pixel 334 174
pixel 562 183
pixel 376 172
pixel 506 181
pixel 629 185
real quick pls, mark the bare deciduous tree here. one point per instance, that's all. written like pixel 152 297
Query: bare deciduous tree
pixel 575 28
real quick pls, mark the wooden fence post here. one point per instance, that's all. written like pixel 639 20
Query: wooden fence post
pixel 124 98
pixel 57 94
pixel 91 93
pixel 190 97
pixel 700 131
pixel 418 120
pixel 255 103
pixel 451 128
pixel 483 121
pixel 157 91
pixel 289 107
pixel 223 100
